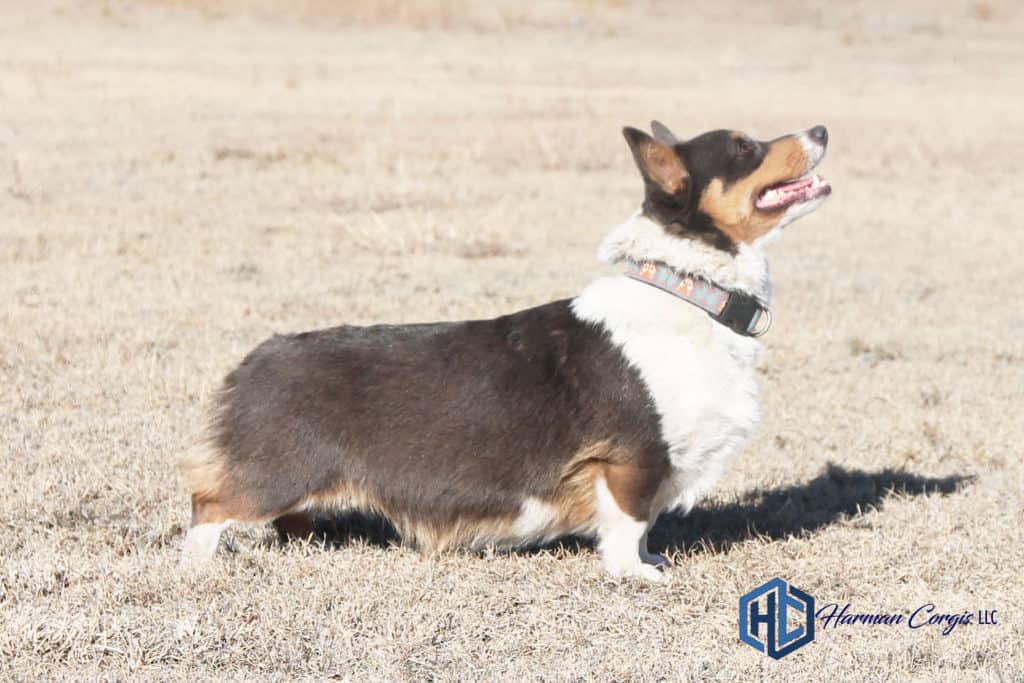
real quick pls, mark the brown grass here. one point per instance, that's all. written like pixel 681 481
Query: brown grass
pixel 185 178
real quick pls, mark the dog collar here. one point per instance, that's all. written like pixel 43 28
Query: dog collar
pixel 741 313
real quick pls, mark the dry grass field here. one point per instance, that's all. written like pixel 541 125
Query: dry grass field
pixel 180 179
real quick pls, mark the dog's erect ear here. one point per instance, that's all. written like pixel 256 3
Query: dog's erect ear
pixel 659 163
pixel 662 134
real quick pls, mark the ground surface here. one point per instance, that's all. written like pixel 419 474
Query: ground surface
pixel 179 180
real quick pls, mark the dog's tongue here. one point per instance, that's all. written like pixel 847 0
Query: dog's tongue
pixel 784 194
pixel 795 185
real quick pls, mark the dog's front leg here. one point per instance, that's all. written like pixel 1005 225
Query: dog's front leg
pixel 623 497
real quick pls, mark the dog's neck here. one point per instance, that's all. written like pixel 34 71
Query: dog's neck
pixel 641 239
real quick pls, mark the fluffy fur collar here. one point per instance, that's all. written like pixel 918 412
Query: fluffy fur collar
pixel 640 238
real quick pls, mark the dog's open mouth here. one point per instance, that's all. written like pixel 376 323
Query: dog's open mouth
pixel 784 195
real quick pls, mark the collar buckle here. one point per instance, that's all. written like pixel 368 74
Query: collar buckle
pixel 767 324
pixel 742 314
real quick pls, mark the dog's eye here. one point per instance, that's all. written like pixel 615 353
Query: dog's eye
pixel 744 147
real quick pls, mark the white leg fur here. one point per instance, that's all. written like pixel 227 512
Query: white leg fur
pixel 201 543
pixel 622 540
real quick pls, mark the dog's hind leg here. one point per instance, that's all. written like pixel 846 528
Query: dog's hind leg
pixel 295 525
pixel 222 495
pixel 218 500
pixel 201 542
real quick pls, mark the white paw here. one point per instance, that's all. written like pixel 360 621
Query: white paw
pixel 637 570
pixel 651 573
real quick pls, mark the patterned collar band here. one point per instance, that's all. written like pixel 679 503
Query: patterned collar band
pixel 741 313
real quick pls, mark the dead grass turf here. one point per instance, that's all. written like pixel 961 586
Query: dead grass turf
pixel 181 179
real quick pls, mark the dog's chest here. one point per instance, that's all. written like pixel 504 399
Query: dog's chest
pixel 701 378
pixel 707 400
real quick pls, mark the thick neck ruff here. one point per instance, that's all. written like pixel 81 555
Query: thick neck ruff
pixel 741 313
pixel 733 288
pixel 641 239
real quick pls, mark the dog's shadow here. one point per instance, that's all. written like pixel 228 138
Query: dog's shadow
pixel 797 510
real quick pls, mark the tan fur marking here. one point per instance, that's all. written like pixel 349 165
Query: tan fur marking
pixel 632 488
pixel 427 536
pixel 574 497
pixel 213 500
pixel 202 468
pixel 732 209
pixel 464 532
pixel 207 512
pixel 345 496
pixel 663 165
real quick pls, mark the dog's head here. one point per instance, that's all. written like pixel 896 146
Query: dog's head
pixel 725 188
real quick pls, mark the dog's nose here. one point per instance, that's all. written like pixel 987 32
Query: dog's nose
pixel 819 134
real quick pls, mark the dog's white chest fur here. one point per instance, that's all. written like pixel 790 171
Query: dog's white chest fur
pixel 700 374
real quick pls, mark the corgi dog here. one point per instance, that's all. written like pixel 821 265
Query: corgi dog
pixel 586 416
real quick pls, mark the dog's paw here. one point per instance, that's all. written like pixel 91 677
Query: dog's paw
pixel 650 573
pixel 656 559
pixel 637 570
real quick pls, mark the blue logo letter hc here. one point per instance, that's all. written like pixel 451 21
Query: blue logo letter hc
pixel 768 629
